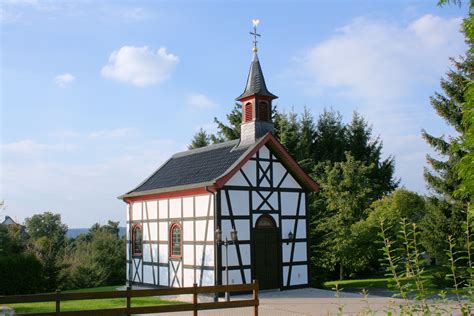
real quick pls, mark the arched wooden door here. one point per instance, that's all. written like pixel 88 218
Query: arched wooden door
pixel 266 248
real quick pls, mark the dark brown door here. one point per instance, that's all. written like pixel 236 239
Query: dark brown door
pixel 266 253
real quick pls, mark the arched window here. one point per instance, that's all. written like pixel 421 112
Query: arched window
pixel 248 112
pixel 137 240
pixel 265 221
pixel 176 241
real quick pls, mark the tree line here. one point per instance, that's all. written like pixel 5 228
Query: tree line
pixel 39 257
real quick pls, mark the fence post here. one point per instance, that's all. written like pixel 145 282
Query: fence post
pixel 255 297
pixel 58 301
pixel 128 300
pixel 195 299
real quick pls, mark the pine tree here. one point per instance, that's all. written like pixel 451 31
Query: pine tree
pixel 442 178
pixel 201 139
pixel 231 131
pixel 329 142
pixel 364 147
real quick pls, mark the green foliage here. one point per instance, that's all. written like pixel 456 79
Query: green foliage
pixel 95 259
pixel 20 274
pixel 345 188
pixel 48 236
pixel 201 139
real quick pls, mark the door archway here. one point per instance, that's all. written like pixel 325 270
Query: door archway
pixel 266 246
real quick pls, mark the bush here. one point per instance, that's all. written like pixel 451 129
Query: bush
pixel 20 274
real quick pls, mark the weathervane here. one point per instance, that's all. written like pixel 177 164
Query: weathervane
pixel 255 22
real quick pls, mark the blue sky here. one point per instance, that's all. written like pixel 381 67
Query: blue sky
pixel 96 95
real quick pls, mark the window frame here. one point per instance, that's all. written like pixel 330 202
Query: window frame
pixel 135 253
pixel 172 227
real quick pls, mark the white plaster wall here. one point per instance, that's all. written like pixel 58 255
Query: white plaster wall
pixel 203 202
pixel 188 207
pixel 300 252
pixel 233 259
pixel 235 277
pixel 148 274
pixel 264 152
pixel 152 207
pixel 239 201
pixel 188 277
pixel 208 277
pixel 250 169
pixel 208 253
pixel 163 209
pixel 163 231
pixel 278 173
pixel 164 276
pixel 188 254
pixel 164 254
pixel 137 211
pixel 175 208
pixel 188 230
pixel 237 179
pixel 290 182
pixel 289 203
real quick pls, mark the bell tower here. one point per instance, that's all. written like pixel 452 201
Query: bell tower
pixel 256 100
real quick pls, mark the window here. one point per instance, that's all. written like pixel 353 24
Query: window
pixel 175 241
pixel 248 112
pixel 137 240
pixel 265 221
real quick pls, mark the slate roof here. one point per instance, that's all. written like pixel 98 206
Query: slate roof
pixel 256 82
pixel 193 167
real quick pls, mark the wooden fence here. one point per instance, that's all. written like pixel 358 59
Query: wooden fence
pixel 59 297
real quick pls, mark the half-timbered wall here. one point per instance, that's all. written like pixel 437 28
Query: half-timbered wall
pixel 263 186
pixel 195 215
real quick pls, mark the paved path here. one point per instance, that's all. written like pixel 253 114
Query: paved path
pixel 304 302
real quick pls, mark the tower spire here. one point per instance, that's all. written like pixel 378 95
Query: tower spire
pixel 256 100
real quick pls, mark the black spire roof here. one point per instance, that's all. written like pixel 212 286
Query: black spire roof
pixel 256 82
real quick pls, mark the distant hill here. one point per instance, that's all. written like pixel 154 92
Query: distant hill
pixel 74 232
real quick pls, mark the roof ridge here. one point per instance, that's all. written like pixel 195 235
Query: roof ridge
pixel 206 148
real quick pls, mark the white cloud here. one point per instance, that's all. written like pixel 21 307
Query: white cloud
pixel 28 146
pixel 387 72
pixel 63 80
pixel 200 101
pixel 373 59
pixel 140 66
pixel 112 133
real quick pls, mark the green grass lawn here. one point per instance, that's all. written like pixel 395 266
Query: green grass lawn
pixel 385 283
pixel 89 304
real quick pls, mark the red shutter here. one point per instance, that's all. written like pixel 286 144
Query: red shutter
pixel 248 112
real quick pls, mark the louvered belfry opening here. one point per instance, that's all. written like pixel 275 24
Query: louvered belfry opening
pixel 264 111
pixel 248 113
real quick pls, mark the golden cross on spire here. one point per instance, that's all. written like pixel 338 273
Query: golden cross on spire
pixel 255 23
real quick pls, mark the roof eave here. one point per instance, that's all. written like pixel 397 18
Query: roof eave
pixel 245 95
pixel 166 190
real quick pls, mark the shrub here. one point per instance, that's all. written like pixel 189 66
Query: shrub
pixel 20 274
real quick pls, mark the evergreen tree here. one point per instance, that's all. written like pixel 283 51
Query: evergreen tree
pixel 231 131
pixel 329 142
pixel 364 147
pixel 201 139
pixel 442 178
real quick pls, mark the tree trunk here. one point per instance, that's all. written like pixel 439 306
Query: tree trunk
pixel 341 272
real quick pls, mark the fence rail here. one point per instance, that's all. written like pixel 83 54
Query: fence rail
pixel 59 297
